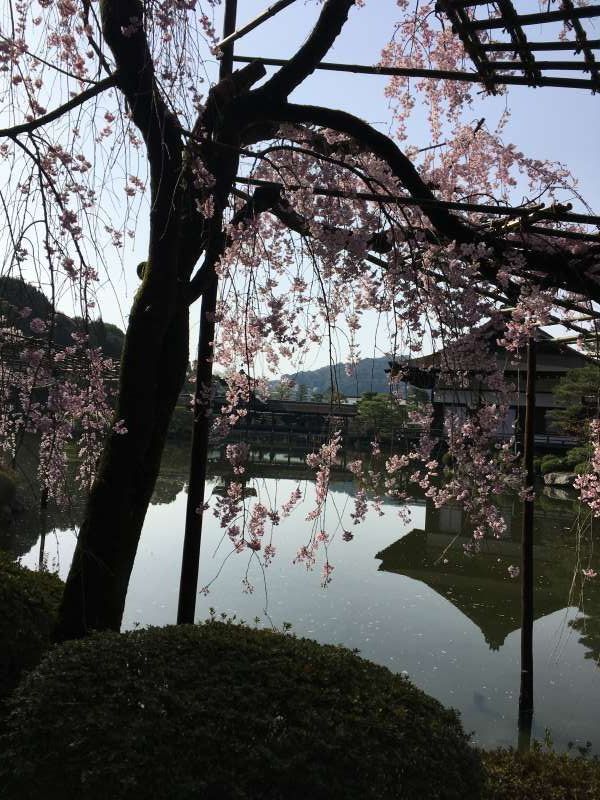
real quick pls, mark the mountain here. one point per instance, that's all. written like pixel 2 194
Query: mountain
pixel 16 294
pixel 368 376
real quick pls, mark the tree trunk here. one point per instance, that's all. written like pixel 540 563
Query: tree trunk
pixel 151 380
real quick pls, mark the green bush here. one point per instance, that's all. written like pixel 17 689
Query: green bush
pixel 222 711
pixel 552 464
pixel 8 487
pixel 578 455
pixel 28 605
pixel 538 775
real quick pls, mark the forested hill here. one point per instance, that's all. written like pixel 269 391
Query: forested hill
pixel 368 376
pixel 16 294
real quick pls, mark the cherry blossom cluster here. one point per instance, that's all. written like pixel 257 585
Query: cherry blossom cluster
pixel 588 484
pixel 64 397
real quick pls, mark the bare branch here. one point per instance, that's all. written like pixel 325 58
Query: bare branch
pixel 328 27
pixel 75 102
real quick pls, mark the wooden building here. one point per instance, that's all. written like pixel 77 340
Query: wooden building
pixel 554 360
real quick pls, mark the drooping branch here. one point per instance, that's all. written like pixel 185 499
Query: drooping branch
pixel 380 242
pixel 74 102
pixel 123 29
pixel 87 10
pixel 264 198
pixel 560 268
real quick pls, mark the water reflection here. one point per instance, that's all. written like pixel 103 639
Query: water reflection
pixel 22 533
pixel 479 586
pixel 405 595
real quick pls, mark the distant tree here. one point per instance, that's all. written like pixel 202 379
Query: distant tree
pixel 579 395
pixel 283 390
pixel 301 392
pixel 333 396
pixel 20 303
pixel 380 415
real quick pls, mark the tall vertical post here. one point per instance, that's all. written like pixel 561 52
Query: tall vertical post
pixel 42 554
pixel 190 562
pixel 526 693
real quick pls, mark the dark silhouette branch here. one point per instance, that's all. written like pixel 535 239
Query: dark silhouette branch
pixel 122 26
pixel 328 27
pixel 75 102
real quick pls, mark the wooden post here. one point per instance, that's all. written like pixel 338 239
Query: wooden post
pixel 41 555
pixel 254 23
pixel 526 693
pixel 190 562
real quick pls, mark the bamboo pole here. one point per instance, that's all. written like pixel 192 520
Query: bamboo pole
pixel 579 66
pixel 526 690
pixel 269 12
pixel 510 47
pixel 190 561
pixel 541 18
pixel 498 210
pixel 436 74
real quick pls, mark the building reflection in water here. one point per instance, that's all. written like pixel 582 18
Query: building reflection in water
pixel 479 585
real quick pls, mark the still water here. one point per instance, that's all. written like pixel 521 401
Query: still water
pixel 403 594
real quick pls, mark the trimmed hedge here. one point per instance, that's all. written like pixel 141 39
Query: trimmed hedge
pixel 8 487
pixel 223 711
pixel 28 606
pixel 539 775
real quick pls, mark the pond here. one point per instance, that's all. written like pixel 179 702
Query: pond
pixel 402 593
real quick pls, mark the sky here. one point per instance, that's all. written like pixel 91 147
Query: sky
pixel 546 123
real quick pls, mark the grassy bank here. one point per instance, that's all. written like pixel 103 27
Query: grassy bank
pixel 539 775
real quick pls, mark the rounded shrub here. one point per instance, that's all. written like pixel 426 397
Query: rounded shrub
pixel 223 711
pixel 28 605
